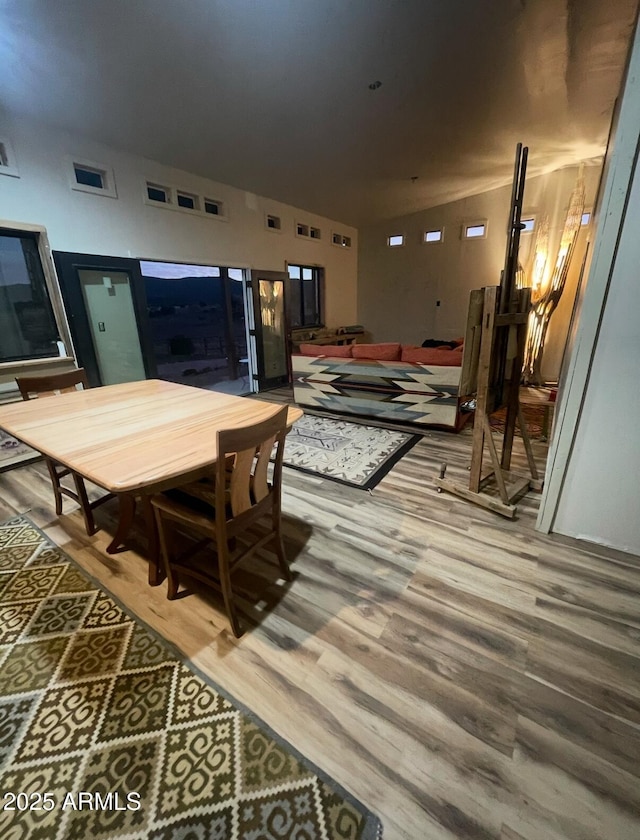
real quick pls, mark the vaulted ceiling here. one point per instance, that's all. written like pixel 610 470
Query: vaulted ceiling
pixel 354 109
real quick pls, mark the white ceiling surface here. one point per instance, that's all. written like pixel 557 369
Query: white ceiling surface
pixel 272 96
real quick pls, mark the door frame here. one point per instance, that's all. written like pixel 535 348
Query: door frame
pixel 67 266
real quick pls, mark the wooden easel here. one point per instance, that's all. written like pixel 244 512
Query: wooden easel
pixel 494 352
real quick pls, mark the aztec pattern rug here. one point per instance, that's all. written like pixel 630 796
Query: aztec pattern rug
pixel 106 733
pixel 399 392
pixel 351 453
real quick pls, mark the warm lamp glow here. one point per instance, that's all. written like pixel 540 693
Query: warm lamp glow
pixel 540 257
pixel 546 290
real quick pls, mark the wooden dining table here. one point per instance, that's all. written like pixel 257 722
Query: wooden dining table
pixel 135 439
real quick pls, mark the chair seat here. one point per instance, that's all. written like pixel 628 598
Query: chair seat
pixel 175 503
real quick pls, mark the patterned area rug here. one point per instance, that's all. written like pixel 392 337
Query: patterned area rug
pixel 347 452
pixel 106 733
pixel 13 451
pixel 537 423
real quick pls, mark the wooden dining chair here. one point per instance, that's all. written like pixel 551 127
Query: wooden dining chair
pixel 223 510
pixel 37 387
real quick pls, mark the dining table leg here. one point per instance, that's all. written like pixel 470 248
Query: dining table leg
pixel 127 504
pixel 156 571
pixel 127 509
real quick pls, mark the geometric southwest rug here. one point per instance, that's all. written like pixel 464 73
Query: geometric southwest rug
pixel 105 732
pixel 351 453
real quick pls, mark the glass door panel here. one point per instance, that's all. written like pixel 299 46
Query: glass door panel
pixel 105 302
pixel 186 308
pixel 114 330
pixel 197 323
pixel 270 327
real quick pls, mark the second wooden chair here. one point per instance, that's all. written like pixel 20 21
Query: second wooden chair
pixel 224 509
pixel 37 387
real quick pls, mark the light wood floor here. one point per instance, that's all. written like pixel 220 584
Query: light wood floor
pixel 462 675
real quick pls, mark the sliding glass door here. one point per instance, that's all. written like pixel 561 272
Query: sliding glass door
pixel 133 319
pixel 197 324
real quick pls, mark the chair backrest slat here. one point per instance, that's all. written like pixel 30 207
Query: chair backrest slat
pixel 260 485
pixel 251 447
pixel 240 485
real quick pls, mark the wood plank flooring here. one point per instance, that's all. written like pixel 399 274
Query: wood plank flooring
pixel 461 674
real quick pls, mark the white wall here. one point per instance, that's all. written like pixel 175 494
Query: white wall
pixel 600 500
pixel 127 227
pixel 592 487
pixel 398 288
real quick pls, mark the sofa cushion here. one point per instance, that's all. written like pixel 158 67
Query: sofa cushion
pixel 340 351
pixel 431 356
pixel 434 343
pixel 386 352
